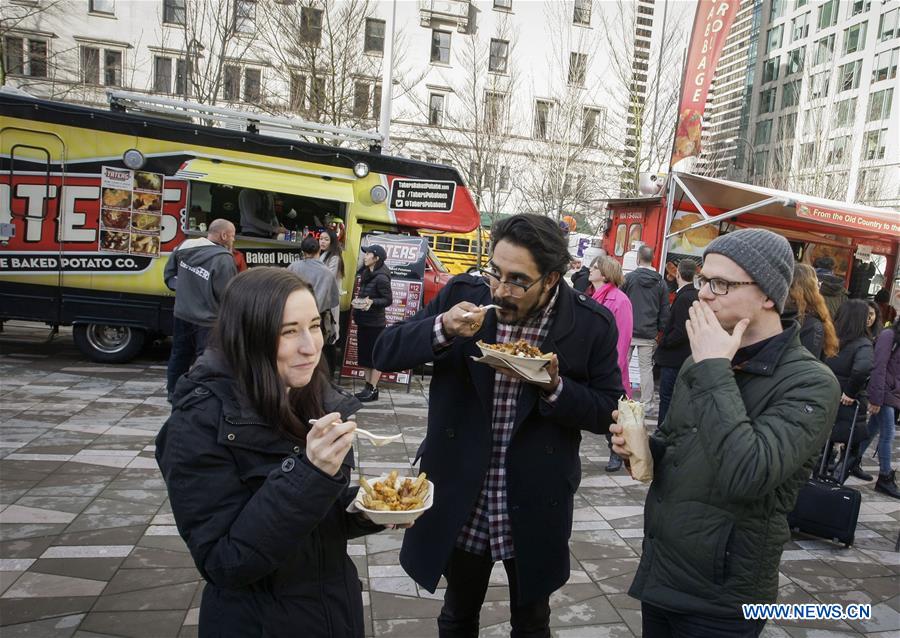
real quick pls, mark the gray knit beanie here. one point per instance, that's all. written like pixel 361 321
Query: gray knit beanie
pixel 766 257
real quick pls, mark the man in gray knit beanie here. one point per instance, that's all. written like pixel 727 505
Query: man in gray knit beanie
pixel 751 409
pixel 766 257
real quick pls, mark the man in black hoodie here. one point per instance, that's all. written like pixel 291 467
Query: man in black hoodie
pixel 198 271
pixel 649 297
pixel 830 285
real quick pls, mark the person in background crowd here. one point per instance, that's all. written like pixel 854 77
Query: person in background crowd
pixel 606 277
pixel 852 366
pixel 751 409
pixel 650 301
pixel 257 459
pixel 368 312
pixel 330 248
pixel 198 271
pixel 240 262
pixel 674 346
pixel 830 285
pixel 581 279
pixel 806 305
pixel 325 289
pixel 256 218
pixel 507 447
pixel 884 401
pixel 874 322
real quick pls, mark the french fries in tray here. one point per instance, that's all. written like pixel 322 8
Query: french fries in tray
pixel 393 499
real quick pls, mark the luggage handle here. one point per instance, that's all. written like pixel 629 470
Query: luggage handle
pixel 848 444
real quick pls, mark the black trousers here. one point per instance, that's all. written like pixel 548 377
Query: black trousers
pixel 660 623
pixel 467 582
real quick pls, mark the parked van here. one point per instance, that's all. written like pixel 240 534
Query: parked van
pixel 92 203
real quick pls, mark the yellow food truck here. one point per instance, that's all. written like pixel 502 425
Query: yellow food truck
pixel 93 201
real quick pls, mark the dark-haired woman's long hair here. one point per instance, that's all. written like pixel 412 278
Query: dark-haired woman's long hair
pixel 875 330
pixel 334 250
pixel 247 334
pixel 850 322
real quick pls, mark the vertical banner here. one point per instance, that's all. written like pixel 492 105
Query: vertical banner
pixel 712 23
pixel 406 261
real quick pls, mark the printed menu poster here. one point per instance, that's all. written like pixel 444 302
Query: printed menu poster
pixel 130 211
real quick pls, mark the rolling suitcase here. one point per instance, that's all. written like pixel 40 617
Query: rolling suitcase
pixel 825 508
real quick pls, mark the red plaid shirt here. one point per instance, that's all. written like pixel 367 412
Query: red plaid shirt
pixel 488 529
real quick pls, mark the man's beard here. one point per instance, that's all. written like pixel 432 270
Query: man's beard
pixel 530 313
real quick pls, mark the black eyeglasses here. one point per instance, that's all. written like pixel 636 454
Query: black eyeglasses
pixel 719 286
pixel 516 288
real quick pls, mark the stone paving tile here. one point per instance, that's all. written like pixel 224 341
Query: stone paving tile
pixel 88 547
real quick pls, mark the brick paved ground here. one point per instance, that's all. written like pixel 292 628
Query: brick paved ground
pixel 88 547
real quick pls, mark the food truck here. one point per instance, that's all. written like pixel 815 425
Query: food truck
pixel 864 241
pixel 93 202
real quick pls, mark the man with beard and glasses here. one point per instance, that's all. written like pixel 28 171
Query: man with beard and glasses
pixel 502 451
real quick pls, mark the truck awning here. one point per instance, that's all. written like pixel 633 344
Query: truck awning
pixel 718 199
pixel 267 179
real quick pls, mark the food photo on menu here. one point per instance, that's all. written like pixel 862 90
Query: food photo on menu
pixel 116 219
pixel 144 244
pixel 146 222
pixel 147 202
pixel 114 241
pixel 116 198
pixel 148 181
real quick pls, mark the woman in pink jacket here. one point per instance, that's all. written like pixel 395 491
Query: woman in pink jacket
pixel 606 277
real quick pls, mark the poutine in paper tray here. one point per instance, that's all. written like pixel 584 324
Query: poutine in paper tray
pixel 385 499
pixel 519 357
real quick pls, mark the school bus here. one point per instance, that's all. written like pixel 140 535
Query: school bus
pixel 93 201
pixel 459 252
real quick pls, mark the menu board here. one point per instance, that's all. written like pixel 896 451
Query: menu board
pixel 406 261
pixel 130 211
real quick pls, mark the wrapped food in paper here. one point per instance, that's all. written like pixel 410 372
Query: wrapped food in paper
pixel 631 418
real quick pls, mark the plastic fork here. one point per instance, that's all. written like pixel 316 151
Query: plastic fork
pixel 377 439
pixel 466 315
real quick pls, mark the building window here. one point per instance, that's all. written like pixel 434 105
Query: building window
pixel 231 83
pixel 440 47
pixel 800 27
pixel 582 13
pixel 360 99
pixel 577 68
pixel 807 154
pixel 787 126
pixel 819 84
pixel 112 68
pixel 494 110
pixel 436 109
pixel 824 50
pixel 855 38
pixel 770 69
pixel 298 91
pixel 162 75
pixel 498 56
pixel 795 60
pixel 838 149
pixel 376 102
pixel 25 56
pixel 760 159
pixel 874 143
pixel 102 6
pixel 173 11
pixel 869 185
pixel 317 96
pixel 776 9
pixel 505 5
pixel 885 67
pixel 542 111
pixel 889 25
pixel 848 75
pixel 763 132
pixel 828 14
pixel 791 94
pixel 845 112
pixel 252 85
pixel 90 65
pixel 591 124
pixel 374 41
pixel 859 6
pixel 245 16
pixel 767 100
pixel 773 37
pixel 311 25
pixel 880 104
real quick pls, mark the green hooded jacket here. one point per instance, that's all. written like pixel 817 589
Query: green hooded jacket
pixel 729 460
